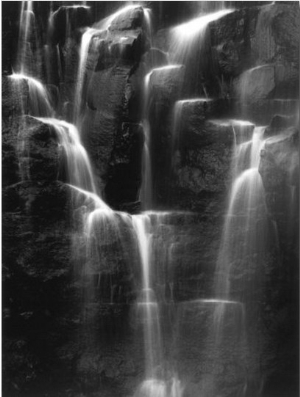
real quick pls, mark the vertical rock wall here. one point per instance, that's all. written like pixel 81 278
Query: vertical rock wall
pixel 46 348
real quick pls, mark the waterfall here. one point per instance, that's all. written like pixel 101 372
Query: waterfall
pixel 26 27
pixel 184 289
pixel 241 237
pixel 84 48
pixel 39 99
pixel 79 166
pixel 159 381
pixel 189 34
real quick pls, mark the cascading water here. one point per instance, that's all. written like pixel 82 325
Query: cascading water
pixel 246 207
pixel 185 36
pixel 194 333
pixel 39 100
pixel 159 381
pixel 242 250
pixel 80 170
pixel 189 42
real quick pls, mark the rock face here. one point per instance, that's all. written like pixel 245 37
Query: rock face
pixel 73 290
pixel 256 84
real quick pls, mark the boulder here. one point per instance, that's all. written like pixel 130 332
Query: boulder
pixel 282 152
pixel 255 84
pixel 227 130
pixel 231 40
pixel 155 58
pixel 130 17
pixel 190 116
pixel 31 151
pixel 165 83
pixel 66 21
pixel 204 170
pixel 279 169
pixel 276 34
pixel 278 124
pixel 14 99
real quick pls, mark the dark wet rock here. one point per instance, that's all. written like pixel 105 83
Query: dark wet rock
pixel 278 124
pixel 124 175
pixel 130 19
pixel 286 80
pixel 204 170
pixel 230 37
pixel 127 47
pixel 162 39
pixel 102 128
pixel 31 148
pixel 109 107
pixel 69 60
pixel 276 36
pixel 279 169
pixel 66 21
pixel 281 151
pixel 227 130
pixel 48 200
pixel 165 84
pixel 119 47
pixel 47 275
pixel 192 115
pixel 38 151
pixel 155 58
pixel 255 84
pixel 108 98
pixel 263 110
pixel 14 99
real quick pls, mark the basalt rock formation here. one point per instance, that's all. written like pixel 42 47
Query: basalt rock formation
pixel 74 289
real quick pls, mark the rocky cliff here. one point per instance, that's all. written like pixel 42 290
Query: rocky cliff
pixel 59 338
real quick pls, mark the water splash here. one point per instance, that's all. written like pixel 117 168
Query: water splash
pixel 159 380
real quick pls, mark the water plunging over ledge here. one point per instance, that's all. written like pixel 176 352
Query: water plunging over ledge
pixel 185 297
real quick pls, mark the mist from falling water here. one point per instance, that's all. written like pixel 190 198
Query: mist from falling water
pixel 155 383
pixel 158 380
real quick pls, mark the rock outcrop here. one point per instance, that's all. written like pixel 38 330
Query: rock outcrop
pixel 72 274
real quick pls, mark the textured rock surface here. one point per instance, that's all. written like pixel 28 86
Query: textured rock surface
pixel 71 323
pixel 255 84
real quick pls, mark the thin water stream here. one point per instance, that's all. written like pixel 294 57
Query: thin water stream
pixel 246 209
